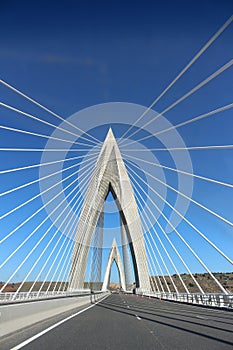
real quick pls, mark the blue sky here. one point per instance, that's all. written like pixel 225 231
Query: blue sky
pixel 70 55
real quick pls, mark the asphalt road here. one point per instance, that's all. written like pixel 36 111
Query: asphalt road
pixel 131 322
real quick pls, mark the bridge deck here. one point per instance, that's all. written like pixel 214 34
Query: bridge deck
pixel 131 322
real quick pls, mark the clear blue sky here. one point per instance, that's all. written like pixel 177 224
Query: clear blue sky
pixel 70 55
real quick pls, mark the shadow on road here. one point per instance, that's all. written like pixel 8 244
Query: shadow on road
pixel 159 314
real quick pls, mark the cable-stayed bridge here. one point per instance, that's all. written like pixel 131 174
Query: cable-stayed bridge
pixel 117 186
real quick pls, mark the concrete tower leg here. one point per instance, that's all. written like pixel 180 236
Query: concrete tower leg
pixel 126 258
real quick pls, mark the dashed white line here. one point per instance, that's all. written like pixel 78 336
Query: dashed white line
pixel 203 318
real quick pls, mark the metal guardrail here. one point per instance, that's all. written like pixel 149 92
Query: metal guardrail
pixel 208 299
pixel 11 297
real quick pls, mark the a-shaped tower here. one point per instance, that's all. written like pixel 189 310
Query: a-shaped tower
pixel 109 175
pixel 114 255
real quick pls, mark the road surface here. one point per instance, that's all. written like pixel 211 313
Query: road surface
pixel 130 322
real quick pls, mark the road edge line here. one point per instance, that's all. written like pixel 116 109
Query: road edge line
pixel 34 337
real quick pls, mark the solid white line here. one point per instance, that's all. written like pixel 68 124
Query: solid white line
pixel 26 342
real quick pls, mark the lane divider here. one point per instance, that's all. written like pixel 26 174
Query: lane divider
pixel 139 318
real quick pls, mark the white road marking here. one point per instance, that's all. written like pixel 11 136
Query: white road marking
pixel 26 342
pixel 203 318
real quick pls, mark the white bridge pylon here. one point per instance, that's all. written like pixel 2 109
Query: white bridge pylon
pixel 114 255
pixel 109 175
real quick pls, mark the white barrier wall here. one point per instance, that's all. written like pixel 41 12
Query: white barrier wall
pixel 16 316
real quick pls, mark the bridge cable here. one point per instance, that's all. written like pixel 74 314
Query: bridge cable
pixel 155 257
pixel 41 164
pixel 162 274
pixel 149 258
pixel 48 244
pixel 37 180
pixel 30 218
pixel 172 245
pixel 159 239
pixel 41 208
pixel 68 254
pixel 186 220
pixel 181 171
pixel 42 178
pixel 46 122
pixel 30 133
pixel 47 110
pixel 192 120
pixel 30 200
pixel 180 236
pixel 166 252
pixel 35 246
pixel 191 148
pixel 183 240
pixel 65 241
pixel 190 92
pixel 40 193
pixel 153 281
pixel 78 194
pixel 193 60
pixel 81 238
pixel 67 251
pixel 7 149
pixel 191 199
pixel 166 236
pixel 36 213
pixel 76 214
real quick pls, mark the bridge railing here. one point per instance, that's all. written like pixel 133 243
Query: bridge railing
pixel 10 297
pixel 207 299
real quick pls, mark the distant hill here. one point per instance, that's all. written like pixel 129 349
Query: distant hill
pixel 204 279
pixel 12 287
